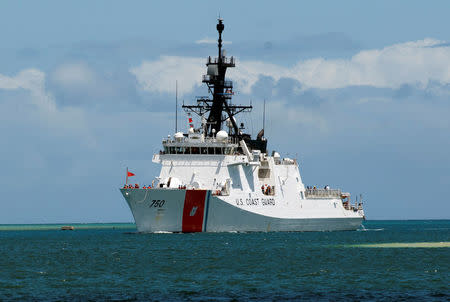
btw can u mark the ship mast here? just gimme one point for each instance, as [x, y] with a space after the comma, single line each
[221, 90]
[219, 107]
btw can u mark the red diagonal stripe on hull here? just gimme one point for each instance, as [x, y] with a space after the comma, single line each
[194, 206]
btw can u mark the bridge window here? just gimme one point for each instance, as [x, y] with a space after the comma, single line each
[179, 150]
[198, 150]
[195, 150]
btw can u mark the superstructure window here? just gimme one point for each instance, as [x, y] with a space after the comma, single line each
[198, 150]
[179, 150]
[263, 173]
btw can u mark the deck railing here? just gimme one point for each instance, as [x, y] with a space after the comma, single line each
[225, 60]
[229, 140]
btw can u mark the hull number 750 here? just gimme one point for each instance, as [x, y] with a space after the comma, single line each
[157, 203]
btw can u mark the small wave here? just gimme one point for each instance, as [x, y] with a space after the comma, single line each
[367, 230]
[162, 232]
[404, 245]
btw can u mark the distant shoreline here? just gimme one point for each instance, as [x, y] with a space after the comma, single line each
[57, 226]
[131, 225]
[131, 222]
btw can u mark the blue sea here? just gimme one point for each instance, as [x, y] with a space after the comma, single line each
[383, 261]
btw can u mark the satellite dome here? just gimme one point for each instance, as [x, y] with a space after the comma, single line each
[221, 136]
[179, 136]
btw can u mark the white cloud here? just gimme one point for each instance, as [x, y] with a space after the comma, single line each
[206, 41]
[32, 80]
[47, 118]
[417, 62]
[160, 76]
[247, 73]
[74, 76]
[404, 63]
[210, 41]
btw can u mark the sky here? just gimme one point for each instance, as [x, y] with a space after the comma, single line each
[357, 91]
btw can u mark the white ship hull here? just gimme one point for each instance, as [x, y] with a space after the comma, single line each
[162, 210]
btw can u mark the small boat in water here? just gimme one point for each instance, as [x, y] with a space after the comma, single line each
[67, 228]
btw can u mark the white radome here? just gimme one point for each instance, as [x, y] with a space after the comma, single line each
[221, 136]
[179, 136]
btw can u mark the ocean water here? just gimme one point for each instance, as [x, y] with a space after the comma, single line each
[384, 261]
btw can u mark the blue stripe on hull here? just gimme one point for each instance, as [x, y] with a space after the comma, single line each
[205, 221]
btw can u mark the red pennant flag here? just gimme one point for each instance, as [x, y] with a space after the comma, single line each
[130, 174]
[190, 120]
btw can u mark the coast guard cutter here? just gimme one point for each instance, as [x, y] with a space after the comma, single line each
[216, 178]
